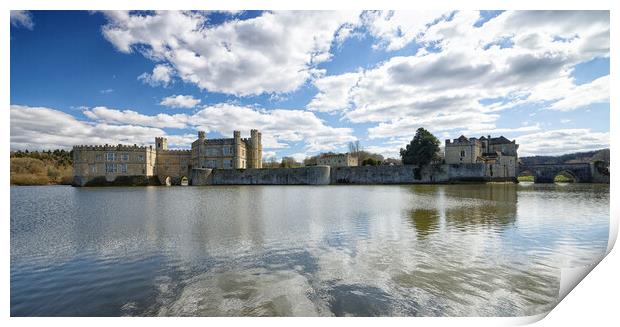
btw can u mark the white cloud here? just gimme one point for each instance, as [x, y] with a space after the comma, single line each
[515, 57]
[161, 75]
[22, 18]
[36, 128]
[275, 52]
[299, 156]
[115, 116]
[180, 101]
[279, 127]
[106, 91]
[333, 92]
[387, 151]
[396, 29]
[561, 141]
[495, 131]
[580, 96]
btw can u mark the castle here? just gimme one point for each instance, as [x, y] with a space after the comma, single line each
[497, 154]
[224, 162]
[110, 162]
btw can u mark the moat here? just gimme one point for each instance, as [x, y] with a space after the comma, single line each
[366, 250]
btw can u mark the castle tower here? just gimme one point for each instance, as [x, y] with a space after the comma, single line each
[201, 135]
[254, 147]
[161, 143]
[237, 149]
[259, 151]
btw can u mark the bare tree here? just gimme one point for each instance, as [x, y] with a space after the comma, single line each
[355, 148]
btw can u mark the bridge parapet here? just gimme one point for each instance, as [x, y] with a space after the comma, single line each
[546, 173]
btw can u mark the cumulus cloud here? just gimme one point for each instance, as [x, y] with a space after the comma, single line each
[523, 57]
[274, 52]
[161, 75]
[280, 127]
[582, 95]
[37, 128]
[562, 141]
[396, 29]
[22, 18]
[180, 101]
[333, 92]
[116, 116]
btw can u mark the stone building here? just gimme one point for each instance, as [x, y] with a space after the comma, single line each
[497, 153]
[112, 161]
[228, 153]
[108, 162]
[337, 160]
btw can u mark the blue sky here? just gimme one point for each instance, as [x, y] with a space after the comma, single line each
[311, 81]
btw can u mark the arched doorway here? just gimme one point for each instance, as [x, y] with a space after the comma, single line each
[184, 181]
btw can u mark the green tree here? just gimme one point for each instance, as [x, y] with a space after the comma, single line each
[422, 150]
[289, 162]
[371, 162]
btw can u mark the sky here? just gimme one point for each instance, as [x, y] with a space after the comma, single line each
[310, 81]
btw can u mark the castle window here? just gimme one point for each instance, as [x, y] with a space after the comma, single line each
[140, 157]
[227, 163]
[123, 168]
[462, 153]
[227, 151]
[93, 168]
[110, 168]
[125, 156]
[110, 156]
[98, 157]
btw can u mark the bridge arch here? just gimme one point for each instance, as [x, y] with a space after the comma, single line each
[184, 181]
[167, 181]
[524, 174]
[546, 173]
[568, 174]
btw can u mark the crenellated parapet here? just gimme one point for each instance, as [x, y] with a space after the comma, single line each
[176, 152]
[108, 147]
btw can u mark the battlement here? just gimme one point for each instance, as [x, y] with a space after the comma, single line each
[109, 147]
[219, 141]
[176, 151]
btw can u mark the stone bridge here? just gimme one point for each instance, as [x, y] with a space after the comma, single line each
[545, 173]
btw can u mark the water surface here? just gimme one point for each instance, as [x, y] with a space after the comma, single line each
[424, 250]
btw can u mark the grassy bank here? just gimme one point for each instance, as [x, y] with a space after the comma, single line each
[41, 168]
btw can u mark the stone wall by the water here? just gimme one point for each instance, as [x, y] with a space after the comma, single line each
[117, 181]
[405, 174]
[201, 176]
[466, 172]
[313, 175]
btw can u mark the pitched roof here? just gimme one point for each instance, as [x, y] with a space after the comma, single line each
[499, 140]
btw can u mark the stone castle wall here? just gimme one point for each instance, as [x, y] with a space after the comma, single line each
[313, 175]
[321, 175]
